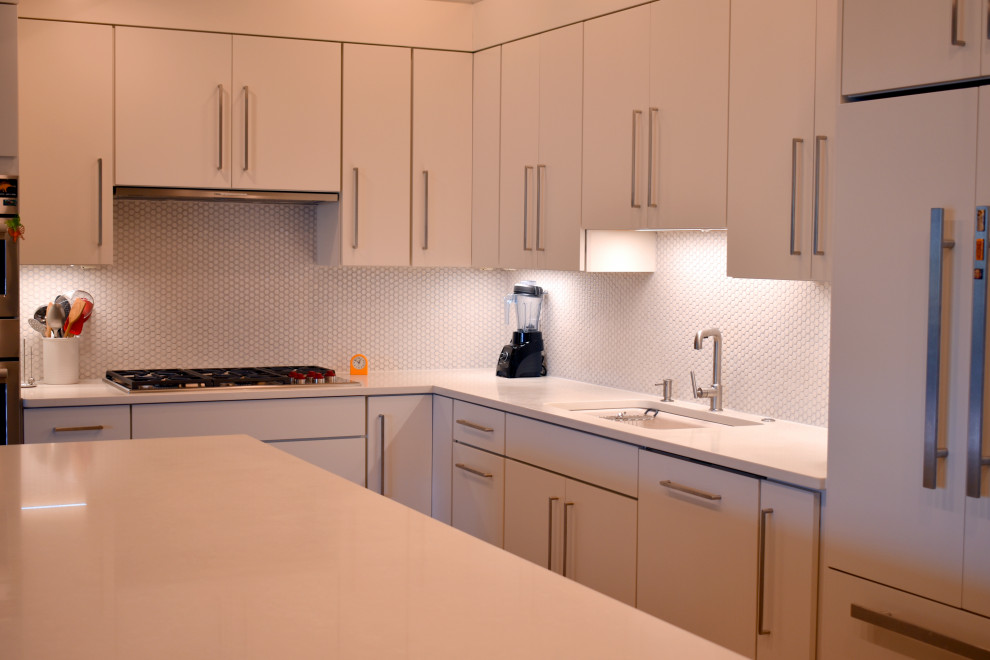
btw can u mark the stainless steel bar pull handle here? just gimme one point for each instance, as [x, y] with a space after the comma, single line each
[74, 429]
[652, 159]
[220, 129]
[426, 209]
[526, 170]
[567, 507]
[247, 123]
[957, 11]
[794, 191]
[541, 176]
[977, 358]
[899, 626]
[354, 240]
[99, 202]
[476, 427]
[934, 350]
[468, 468]
[634, 197]
[673, 485]
[381, 427]
[820, 141]
[761, 578]
[550, 502]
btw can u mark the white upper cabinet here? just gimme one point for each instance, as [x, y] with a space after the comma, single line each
[66, 142]
[441, 167]
[376, 152]
[285, 114]
[540, 162]
[192, 113]
[783, 96]
[172, 102]
[655, 116]
[8, 79]
[486, 127]
[892, 44]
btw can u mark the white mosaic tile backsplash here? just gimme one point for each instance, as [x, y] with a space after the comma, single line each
[228, 284]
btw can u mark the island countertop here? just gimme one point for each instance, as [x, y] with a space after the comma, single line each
[222, 547]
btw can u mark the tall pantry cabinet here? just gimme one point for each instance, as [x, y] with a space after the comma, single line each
[907, 523]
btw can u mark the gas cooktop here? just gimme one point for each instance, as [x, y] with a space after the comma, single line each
[153, 380]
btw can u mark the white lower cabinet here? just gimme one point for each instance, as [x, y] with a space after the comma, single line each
[76, 423]
[400, 449]
[343, 456]
[730, 557]
[581, 531]
[477, 487]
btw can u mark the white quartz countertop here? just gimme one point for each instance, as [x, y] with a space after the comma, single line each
[223, 547]
[784, 451]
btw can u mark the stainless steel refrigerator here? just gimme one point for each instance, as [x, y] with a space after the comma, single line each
[10, 330]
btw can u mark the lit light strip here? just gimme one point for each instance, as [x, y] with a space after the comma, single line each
[52, 506]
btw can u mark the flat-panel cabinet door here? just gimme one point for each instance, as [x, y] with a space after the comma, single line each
[66, 142]
[687, 119]
[377, 132]
[486, 127]
[900, 158]
[889, 44]
[616, 97]
[557, 233]
[343, 456]
[286, 128]
[478, 483]
[534, 506]
[698, 541]
[441, 169]
[520, 109]
[771, 138]
[400, 449]
[75, 423]
[172, 108]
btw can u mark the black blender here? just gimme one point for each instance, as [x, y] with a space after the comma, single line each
[524, 357]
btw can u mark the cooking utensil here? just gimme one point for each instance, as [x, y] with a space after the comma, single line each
[37, 325]
[55, 318]
[64, 303]
[48, 328]
[79, 293]
[87, 310]
[75, 312]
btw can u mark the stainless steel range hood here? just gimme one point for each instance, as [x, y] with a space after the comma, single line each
[204, 194]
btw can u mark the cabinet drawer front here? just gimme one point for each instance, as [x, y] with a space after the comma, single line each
[273, 419]
[77, 423]
[479, 427]
[342, 456]
[477, 502]
[583, 456]
[697, 558]
[894, 618]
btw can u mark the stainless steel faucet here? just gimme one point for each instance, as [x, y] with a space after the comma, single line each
[715, 391]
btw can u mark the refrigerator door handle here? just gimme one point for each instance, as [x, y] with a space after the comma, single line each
[934, 353]
[978, 354]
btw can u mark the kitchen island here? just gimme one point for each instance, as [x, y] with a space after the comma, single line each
[223, 547]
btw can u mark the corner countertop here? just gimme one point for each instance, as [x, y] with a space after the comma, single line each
[783, 451]
[223, 547]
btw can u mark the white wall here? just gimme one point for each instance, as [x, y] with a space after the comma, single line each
[423, 23]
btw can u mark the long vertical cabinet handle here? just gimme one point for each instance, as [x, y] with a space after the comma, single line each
[567, 507]
[977, 358]
[541, 177]
[381, 428]
[247, 123]
[99, 202]
[794, 189]
[761, 568]
[354, 240]
[220, 131]
[652, 158]
[820, 141]
[426, 209]
[526, 170]
[550, 501]
[957, 10]
[634, 198]
[934, 351]
[988, 19]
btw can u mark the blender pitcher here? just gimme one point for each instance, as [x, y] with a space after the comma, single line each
[525, 356]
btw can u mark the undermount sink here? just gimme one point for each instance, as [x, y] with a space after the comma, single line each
[654, 414]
